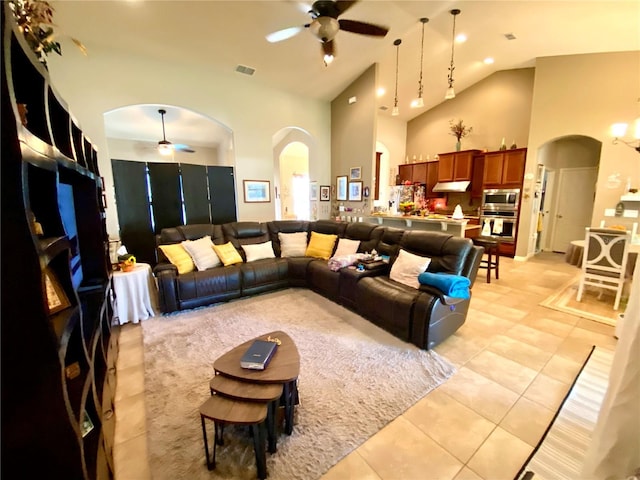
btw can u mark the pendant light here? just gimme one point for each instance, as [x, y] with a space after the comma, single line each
[395, 112]
[419, 102]
[450, 91]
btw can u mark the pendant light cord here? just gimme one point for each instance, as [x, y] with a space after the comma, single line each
[397, 44]
[423, 20]
[453, 43]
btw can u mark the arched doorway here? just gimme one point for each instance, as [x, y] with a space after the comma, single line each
[382, 174]
[294, 182]
[567, 190]
[292, 148]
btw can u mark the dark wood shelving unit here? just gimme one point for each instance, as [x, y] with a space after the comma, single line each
[59, 347]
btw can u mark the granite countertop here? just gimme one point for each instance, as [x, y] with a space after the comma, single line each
[446, 219]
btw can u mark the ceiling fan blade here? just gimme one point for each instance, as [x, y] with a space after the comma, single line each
[180, 147]
[344, 5]
[283, 34]
[362, 28]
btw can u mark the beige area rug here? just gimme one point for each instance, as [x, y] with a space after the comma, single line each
[596, 304]
[354, 379]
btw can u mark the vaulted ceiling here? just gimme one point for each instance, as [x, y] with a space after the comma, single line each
[226, 34]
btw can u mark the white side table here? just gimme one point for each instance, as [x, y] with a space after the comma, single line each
[136, 294]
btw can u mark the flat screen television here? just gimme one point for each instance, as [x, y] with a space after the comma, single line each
[68, 214]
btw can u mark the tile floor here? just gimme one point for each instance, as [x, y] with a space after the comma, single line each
[515, 360]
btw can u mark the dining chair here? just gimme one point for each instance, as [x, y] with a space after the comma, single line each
[604, 262]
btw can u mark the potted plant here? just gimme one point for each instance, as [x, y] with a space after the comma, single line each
[459, 130]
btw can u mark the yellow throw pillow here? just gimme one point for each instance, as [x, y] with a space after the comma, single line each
[179, 257]
[321, 245]
[228, 254]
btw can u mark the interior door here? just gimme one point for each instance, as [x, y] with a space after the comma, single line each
[576, 189]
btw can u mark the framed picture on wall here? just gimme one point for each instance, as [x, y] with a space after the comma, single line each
[313, 191]
[355, 173]
[355, 191]
[257, 191]
[341, 187]
[325, 193]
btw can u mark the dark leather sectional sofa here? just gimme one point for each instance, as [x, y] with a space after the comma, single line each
[424, 317]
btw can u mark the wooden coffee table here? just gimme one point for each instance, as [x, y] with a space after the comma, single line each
[283, 369]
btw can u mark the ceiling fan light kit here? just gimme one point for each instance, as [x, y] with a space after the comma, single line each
[419, 102]
[325, 25]
[165, 147]
[450, 91]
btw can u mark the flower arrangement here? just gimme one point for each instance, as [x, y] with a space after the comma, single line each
[407, 207]
[459, 130]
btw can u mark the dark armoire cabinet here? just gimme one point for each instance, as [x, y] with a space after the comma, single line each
[58, 345]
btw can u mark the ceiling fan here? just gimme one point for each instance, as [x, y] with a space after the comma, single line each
[165, 147]
[325, 25]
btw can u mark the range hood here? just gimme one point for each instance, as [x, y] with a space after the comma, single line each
[451, 186]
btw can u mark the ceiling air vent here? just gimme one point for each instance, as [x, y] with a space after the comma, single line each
[509, 36]
[245, 70]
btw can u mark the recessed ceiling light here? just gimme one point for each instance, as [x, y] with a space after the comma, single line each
[381, 91]
[488, 60]
[461, 38]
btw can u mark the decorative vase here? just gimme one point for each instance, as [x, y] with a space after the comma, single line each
[458, 146]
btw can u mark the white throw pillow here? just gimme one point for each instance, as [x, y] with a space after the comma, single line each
[202, 253]
[346, 247]
[258, 251]
[407, 267]
[293, 244]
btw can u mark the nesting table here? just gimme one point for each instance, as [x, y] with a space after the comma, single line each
[243, 396]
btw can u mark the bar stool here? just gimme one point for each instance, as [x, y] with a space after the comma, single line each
[492, 249]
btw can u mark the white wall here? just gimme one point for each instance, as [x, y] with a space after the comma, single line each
[496, 107]
[392, 133]
[583, 95]
[106, 80]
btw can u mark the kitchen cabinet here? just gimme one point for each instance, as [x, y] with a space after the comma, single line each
[432, 179]
[413, 172]
[504, 169]
[477, 175]
[456, 166]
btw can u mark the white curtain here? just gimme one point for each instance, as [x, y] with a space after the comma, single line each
[614, 452]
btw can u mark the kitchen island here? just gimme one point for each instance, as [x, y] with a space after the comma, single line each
[459, 228]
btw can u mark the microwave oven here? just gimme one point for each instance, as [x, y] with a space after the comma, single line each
[501, 198]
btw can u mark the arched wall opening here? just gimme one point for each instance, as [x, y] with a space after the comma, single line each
[293, 150]
[384, 178]
[564, 192]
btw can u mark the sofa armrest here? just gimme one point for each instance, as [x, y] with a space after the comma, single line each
[167, 287]
[444, 299]
[165, 267]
